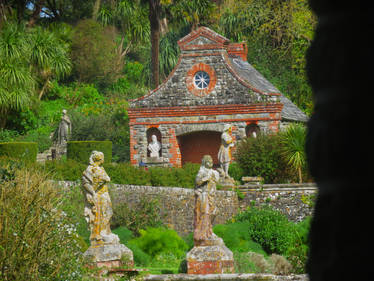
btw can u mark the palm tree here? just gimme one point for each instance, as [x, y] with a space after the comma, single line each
[16, 81]
[48, 57]
[293, 140]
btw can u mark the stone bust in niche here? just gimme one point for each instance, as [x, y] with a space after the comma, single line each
[154, 147]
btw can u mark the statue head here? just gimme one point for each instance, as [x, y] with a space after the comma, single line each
[64, 111]
[227, 128]
[207, 161]
[154, 138]
[97, 158]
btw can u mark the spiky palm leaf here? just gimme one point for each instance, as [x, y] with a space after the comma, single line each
[293, 140]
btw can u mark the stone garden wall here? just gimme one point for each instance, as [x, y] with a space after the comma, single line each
[228, 277]
[176, 203]
[296, 201]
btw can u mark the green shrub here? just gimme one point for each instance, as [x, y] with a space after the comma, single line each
[140, 257]
[124, 234]
[145, 214]
[37, 239]
[68, 170]
[73, 206]
[40, 135]
[235, 171]
[81, 150]
[26, 151]
[298, 254]
[237, 238]
[8, 135]
[155, 241]
[270, 228]
[109, 123]
[125, 173]
[262, 156]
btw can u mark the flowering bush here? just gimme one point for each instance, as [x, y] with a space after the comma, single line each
[37, 239]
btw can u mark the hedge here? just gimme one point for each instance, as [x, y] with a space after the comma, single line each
[81, 150]
[26, 151]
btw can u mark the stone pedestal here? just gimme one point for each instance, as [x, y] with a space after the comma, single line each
[227, 182]
[109, 256]
[210, 257]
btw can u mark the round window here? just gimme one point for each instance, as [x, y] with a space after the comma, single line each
[201, 80]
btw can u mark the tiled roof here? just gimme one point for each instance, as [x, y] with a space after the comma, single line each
[247, 72]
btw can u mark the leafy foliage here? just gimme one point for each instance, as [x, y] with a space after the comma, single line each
[237, 238]
[269, 228]
[147, 213]
[262, 156]
[16, 80]
[93, 52]
[23, 150]
[293, 141]
[155, 241]
[37, 240]
[80, 151]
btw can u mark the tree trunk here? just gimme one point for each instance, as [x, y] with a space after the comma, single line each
[96, 9]
[154, 20]
[3, 117]
[43, 89]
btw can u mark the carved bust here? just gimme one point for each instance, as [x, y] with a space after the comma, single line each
[154, 147]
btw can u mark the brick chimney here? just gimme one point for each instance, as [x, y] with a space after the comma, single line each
[238, 49]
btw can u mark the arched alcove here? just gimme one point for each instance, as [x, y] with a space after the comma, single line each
[150, 132]
[193, 146]
[252, 130]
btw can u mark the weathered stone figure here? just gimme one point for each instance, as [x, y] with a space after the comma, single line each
[98, 208]
[224, 153]
[105, 249]
[205, 188]
[154, 147]
[209, 254]
[64, 129]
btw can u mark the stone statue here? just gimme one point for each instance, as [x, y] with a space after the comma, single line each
[209, 254]
[205, 189]
[224, 153]
[98, 208]
[105, 248]
[154, 147]
[64, 128]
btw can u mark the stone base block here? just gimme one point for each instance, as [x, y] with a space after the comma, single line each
[110, 256]
[210, 267]
[210, 260]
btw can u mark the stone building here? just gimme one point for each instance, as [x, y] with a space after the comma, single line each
[211, 85]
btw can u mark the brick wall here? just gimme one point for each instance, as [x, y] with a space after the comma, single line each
[178, 103]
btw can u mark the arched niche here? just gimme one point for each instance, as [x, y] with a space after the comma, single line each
[150, 132]
[252, 130]
[193, 146]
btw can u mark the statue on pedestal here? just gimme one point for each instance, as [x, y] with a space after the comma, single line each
[105, 248]
[209, 254]
[64, 129]
[205, 188]
[224, 154]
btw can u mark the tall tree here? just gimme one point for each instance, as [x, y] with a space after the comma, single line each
[154, 20]
[94, 53]
[48, 57]
[16, 80]
[130, 19]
